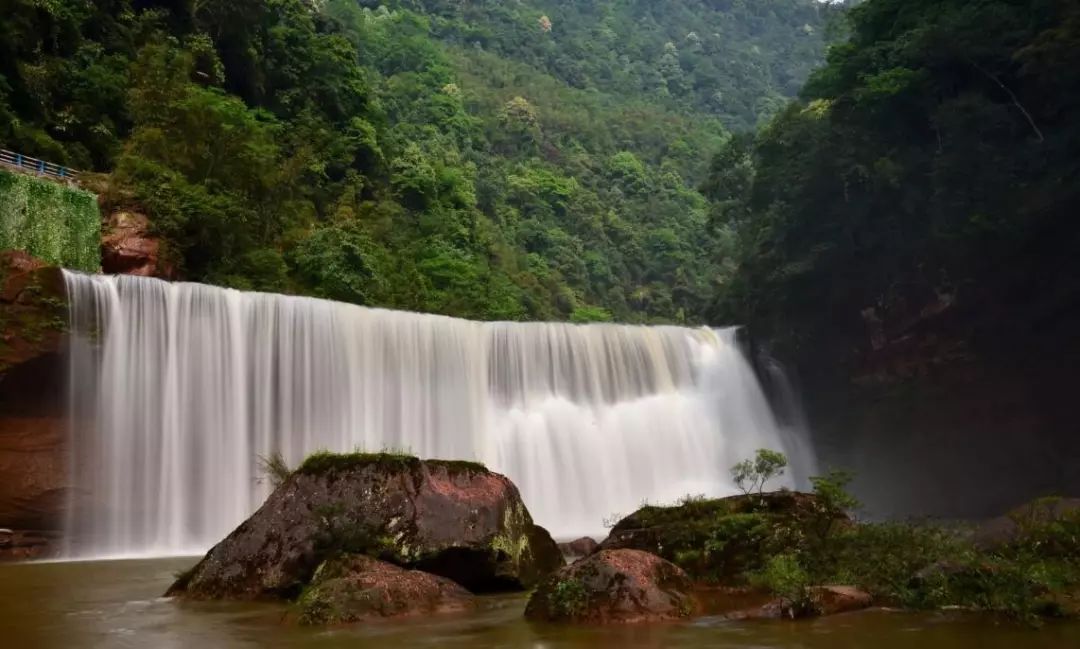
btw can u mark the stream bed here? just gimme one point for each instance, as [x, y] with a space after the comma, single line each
[117, 604]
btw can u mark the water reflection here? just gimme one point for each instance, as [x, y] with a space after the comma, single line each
[116, 605]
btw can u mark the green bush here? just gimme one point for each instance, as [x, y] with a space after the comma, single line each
[784, 577]
[568, 598]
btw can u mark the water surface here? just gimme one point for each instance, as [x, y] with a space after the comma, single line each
[117, 604]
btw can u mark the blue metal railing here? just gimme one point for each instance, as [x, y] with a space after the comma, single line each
[35, 166]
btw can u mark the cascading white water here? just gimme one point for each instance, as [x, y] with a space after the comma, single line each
[179, 389]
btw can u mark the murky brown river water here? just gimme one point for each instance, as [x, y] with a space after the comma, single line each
[116, 604]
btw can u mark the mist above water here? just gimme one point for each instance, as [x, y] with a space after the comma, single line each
[179, 389]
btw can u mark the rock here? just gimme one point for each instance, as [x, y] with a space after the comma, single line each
[771, 609]
[20, 545]
[751, 604]
[831, 600]
[582, 547]
[743, 530]
[357, 587]
[128, 247]
[737, 602]
[453, 519]
[33, 429]
[614, 586]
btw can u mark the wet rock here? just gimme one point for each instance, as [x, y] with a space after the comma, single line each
[21, 545]
[582, 547]
[357, 587]
[129, 247]
[33, 455]
[831, 600]
[751, 604]
[614, 586]
[453, 519]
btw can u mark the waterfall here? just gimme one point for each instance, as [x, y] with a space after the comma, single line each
[178, 389]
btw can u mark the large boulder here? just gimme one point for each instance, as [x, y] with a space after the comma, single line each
[832, 600]
[721, 540]
[582, 547]
[33, 453]
[454, 519]
[352, 588]
[614, 586]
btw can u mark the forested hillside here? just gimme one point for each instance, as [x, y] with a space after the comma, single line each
[738, 59]
[907, 234]
[495, 160]
[931, 164]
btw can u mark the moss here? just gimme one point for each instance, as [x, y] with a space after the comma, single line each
[460, 466]
[316, 608]
[323, 462]
[514, 541]
[40, 312]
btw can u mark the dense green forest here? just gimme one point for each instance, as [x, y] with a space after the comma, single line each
[495, 160]
[930, 166]
[505, 160]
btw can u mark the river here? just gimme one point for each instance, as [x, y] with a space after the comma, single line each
[117, 604]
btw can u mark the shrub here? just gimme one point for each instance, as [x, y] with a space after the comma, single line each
[786, 578]
[751, 475]
[568, 598]
[274, 468]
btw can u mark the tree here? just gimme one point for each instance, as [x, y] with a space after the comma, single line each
[751, 475]
[833, 502]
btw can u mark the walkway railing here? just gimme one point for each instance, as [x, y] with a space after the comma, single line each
[35, 166]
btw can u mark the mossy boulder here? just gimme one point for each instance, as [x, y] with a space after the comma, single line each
[453, 519]
[353, 588]
[614, 586]
[722, 540]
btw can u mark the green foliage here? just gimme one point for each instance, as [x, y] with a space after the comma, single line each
[926, 566]
[57, 224]
[784, 577]
[733, 59]
[833, 501]
[275, 468]
[725, 540]
[751, 475]
[927, 165]
[776, 541]
[433, 156]
[569, 598]
[325, 462]
[584, 314]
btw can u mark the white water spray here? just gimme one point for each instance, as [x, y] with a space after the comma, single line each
[179, 389]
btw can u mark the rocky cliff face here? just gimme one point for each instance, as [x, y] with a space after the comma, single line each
[952, 406]
[129, 247]
[33, 459]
